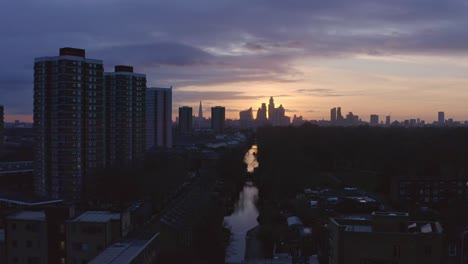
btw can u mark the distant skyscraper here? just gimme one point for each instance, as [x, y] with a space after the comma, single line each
[158, 117]
[387, 120]
[297, 120]
[276, 116]
[262, 115]
[351, 118]
[333, 114]
[271, 109]
[218, 119]
[339, 116]
[185, 119]
[246, 118]
[68, 123]
[374, 120]
[2, 126]
[441, 118]
[200, 111]
[281, 119]
[125, 116]
[199, 121]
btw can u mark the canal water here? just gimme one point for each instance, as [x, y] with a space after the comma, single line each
[245, 212]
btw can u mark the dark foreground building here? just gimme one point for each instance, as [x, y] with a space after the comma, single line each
[389, 237]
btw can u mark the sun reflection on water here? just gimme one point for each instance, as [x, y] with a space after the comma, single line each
[250, 159]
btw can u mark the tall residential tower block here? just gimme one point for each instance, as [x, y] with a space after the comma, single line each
[218, 119]
[185, 119]
[69, 122]
[158, 117]
[125, 116]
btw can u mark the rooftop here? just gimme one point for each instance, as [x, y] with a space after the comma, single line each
[96, 217]
[9, 167]
[390, 214]
[27, 200]
[358, 228]
[123, 68]
[307, 231]
[294, 220]
[362, 199]
[28, 215]
[367, 225]
[72, 52]
[123, 252]
[158, 89]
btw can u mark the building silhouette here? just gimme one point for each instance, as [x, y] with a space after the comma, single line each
[246, 119]
[441, 118]
[218, 119]
[339, 116]
[297, 120]
[185, 119]
[200, 111]
[333, 114]
[158, 117]
[69, 122]
[351, 118]
[271, 110]
[276, 116]
[387, 120]
[374, 120]
[262, 115]
[125, 116]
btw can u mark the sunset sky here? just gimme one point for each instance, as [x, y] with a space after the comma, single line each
[406, 58]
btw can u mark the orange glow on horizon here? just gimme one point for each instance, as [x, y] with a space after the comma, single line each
[21, 118]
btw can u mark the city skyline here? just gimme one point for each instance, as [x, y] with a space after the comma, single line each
[234, 115]
[402, 58]
[130, 131]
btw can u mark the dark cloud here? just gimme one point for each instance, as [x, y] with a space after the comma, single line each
[155, 54]
[213, 42]
[255, 46]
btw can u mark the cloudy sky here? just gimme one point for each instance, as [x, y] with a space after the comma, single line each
[407, 58]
